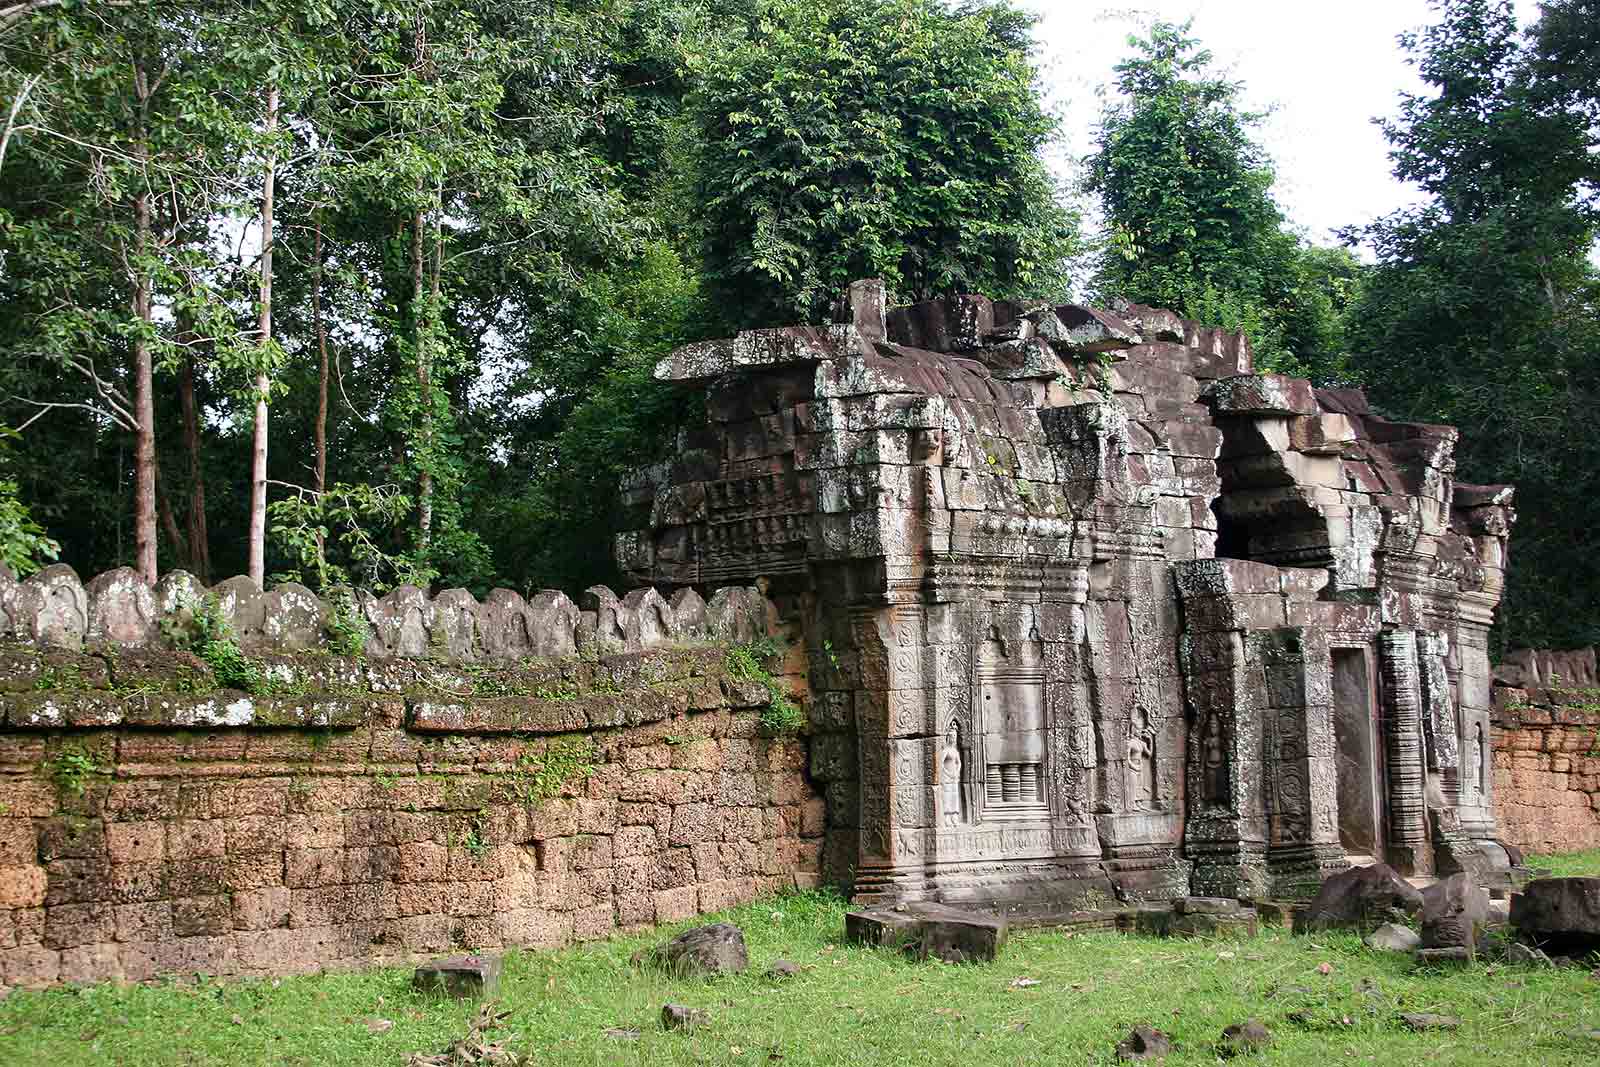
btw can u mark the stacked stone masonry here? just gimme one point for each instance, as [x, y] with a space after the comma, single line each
[1547, 750]
[462, 785]
[1089, 607]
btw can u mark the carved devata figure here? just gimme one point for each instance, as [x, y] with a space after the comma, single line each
[1479, 767]
[950, 777]
[1141, 769]
[1214, 763]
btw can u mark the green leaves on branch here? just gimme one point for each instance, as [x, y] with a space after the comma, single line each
[1190, 218]
[23, 542]
[1483, 309]
[336, 537]
[842, 139]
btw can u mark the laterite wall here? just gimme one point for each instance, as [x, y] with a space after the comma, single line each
[375, 809]
[1547, 767]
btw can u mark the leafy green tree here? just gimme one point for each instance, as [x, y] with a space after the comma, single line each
[23, 542]
[841, 139]
[1190, 219]
[119, 148]
[1484, 310]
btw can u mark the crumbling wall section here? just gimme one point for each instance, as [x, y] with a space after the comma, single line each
[1547, 750]
[351, 810]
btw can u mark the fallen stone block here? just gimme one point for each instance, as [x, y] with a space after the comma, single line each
[1243, 1038]
[1454, 912]
[939, 931]
[1516, 952]
[1392, 937]
[1158, 922]
[1144, 1043]
[1441, 956]
[704, 952]
[1427, 1020]
[1278, 912]
[679, 1017]
[1360, 897]
[473, 976]
[1206, 906]
[1559, 915]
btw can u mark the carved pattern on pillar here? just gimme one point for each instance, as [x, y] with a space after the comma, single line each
[1439, 724]
[1408, 828]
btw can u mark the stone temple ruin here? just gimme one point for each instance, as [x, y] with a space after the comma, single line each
[1077, 609]
[1089, 608]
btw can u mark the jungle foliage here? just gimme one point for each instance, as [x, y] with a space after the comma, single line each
[373, 291]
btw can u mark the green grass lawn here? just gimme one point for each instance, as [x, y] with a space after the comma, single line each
[852, 1006]
[1567, 863]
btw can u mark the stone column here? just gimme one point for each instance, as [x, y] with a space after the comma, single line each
[1408, 850]
[1300, 767]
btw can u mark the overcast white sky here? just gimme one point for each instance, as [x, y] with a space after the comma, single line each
[1324, 70]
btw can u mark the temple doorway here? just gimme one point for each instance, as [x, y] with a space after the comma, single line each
[1359, 755]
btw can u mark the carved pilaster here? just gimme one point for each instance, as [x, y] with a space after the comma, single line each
[1402, 700]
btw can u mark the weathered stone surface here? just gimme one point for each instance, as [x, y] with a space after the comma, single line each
[1518, 953]
[52, 609]
[1206, 905]
[176, 591]
[1425, 1020]
[242, 604]
[1358, 897]
[681, 1017]
[8, 602]
[1560, 915]
[403, 623]
[292, 618]
[553, 624]
[1160, 922]
[737, 614]
[1090, 330]
[1454, 913]
[1447, 956]
[951, 934]
[455, 626]
[611, 620]
[504, 625]
[649, 621]
[1244, 1038]
[1144, 1043]
[122, 610]
[475, 976]
[1392, 937]
[704, 952]
[689, 608]
[1263, 394]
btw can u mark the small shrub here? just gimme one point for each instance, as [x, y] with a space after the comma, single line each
[201, 628]
[747, 663]
[782, 716]
[348, 631]
[71, 770]
[537, 778]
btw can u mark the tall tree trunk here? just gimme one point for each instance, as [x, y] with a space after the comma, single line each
[180, 547]
[263, 383]
[322, 355]
[199, 537]
[420, 316]
[144, 409]
[322, 380]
